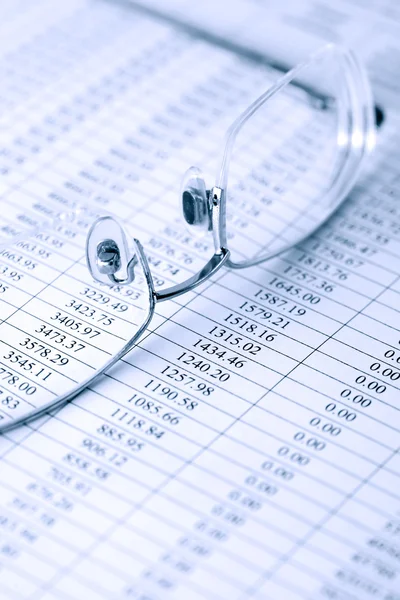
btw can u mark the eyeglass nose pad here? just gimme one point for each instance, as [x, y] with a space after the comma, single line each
[195, 205]
[109, 256]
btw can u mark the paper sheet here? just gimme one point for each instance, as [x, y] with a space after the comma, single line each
[180, 475]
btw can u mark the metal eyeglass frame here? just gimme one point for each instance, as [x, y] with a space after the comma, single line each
[112, 259]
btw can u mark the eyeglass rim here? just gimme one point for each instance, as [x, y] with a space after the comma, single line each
[63, 399]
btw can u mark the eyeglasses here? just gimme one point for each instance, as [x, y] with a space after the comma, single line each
[288, 162]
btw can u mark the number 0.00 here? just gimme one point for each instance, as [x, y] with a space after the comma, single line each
[311, 442]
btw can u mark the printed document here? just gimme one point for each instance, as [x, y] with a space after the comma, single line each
[248, 447]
